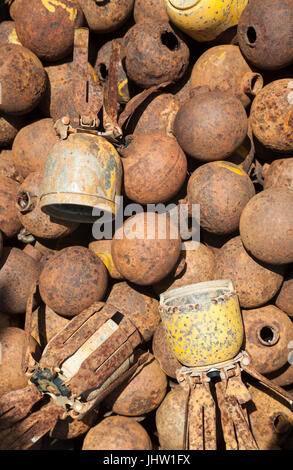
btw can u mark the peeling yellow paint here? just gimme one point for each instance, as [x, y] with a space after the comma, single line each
[51, 4]
[238, 171]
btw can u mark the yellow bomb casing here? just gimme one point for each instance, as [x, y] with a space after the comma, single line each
[203, 322]
[205, 20]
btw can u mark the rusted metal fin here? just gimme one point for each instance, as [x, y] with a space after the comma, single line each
[202, 419]
[72, 336]
[110, 94]
[136, 101]
[16, 405]
[103, 362]
[93, 403]
[28, 361]
[27, 432]
[87, 92]
[268, 383]
[246, 165]
[226, 420]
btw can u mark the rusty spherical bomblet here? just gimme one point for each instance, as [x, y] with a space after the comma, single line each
[101, 69]
[223, 68]
[32, 145]
[47, 28]
[8, 167]
[271, 116]
[254, 282]
[32, 218]
[211, 125]
[9, 221]
[82, 175]
[154, 167]
[146, 248]
[142, 392]
[8, 33]
[117, 433]
[18, 273]
[278, 173]
[23, 79]
[72, 280]
[266, 226]
[170, 420]
[154, 54]
[138, 304]
[150, 10]
[196, 264]
[9, 127]
[11, 375]
[163, 353]
[285, 296]
[105, 17]
[158, 116]
[268, 332]
[202, 331]
[222, 189]
[271, 420]
[265, 33]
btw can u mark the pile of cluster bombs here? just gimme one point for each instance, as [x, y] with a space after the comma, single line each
[131, 342]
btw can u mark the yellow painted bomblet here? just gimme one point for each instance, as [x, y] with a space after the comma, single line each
[205, 20]
[203, 322]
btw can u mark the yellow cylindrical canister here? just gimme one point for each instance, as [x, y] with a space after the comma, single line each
[203, 322]
[205, 20]
[102, 248]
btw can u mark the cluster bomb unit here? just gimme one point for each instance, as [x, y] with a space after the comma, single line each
[123, 327]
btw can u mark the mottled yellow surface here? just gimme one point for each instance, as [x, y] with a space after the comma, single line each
[209, 335]
[204, 20]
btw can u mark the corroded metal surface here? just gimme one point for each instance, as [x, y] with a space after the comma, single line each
[117, 433]
[163, 353]
[138, 304]
[32, 218]
[17, 274]
[102, 66]
[269, 242]
[171, 419]
[285, 296]
[150, 10]
[11, 376]
[8, 167]
[82, 172]
[136, 257]
[271, 420]
[154, 53]
[222, 189]
[104, 17]
[32, 145]
[223, 68]
[102, 248]
[271, 116]
[9, 127]
[154, 167]
[70, 428]
[268, 332]
[211, 125]
[142, 392]
[8, 33]
[199, 266]
[46, 27]
[72, 280]
[16, 405]
[279, 173]
[255, 283]
[158, 115]
[23, 79]
[265, 33]
[46, 324]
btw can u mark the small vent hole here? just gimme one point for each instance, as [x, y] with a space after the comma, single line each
[169, 40]
[251, 35]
